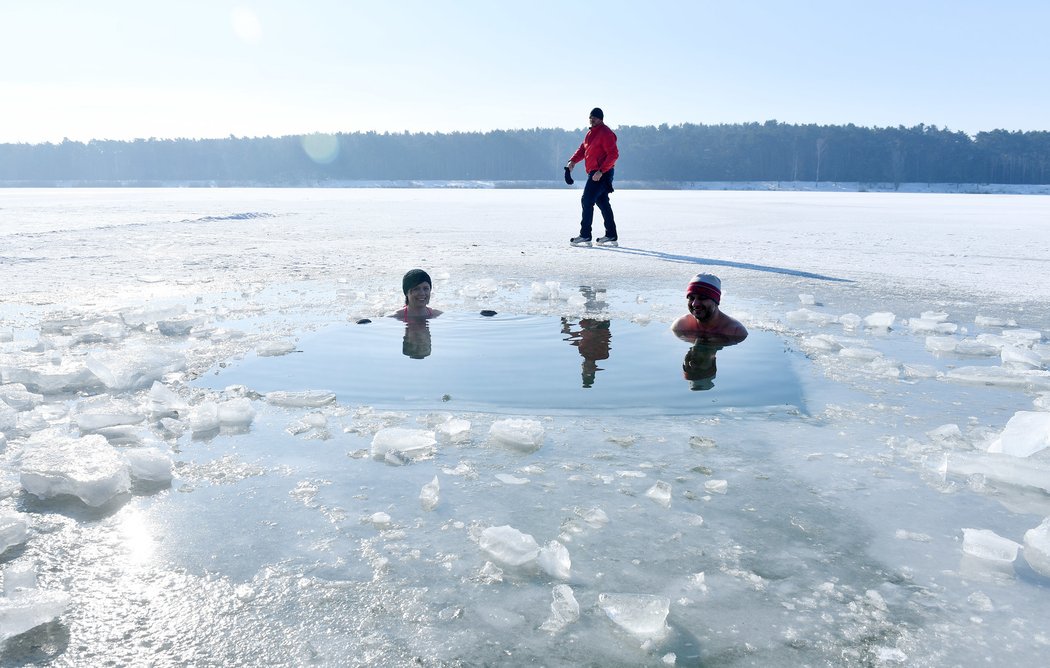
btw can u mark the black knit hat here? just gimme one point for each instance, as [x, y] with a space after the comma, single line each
[597, 113]
[413, 278]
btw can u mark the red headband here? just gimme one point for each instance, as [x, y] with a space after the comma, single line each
[704, 290]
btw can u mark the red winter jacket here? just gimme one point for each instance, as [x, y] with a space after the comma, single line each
[598, 150]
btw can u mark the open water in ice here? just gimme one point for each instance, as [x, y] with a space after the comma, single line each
[256, 472]
[510, 364]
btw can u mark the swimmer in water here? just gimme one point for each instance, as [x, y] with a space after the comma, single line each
[417, 287]
[705, 322]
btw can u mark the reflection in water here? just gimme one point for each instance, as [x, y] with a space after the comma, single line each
[593, 335]
[700, 365]
[417, 338]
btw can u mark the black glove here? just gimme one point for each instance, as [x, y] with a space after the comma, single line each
[568, 176]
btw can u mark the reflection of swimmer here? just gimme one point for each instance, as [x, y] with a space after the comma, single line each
[705, 321]
[700, 366]
[592, 339]
[417, 287]
[417, 339]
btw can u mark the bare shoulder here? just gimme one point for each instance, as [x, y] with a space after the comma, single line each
[685, 328]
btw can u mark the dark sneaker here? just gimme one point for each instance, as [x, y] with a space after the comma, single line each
[607, 241]
[580, 241]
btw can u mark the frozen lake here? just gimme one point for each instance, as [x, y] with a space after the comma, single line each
[200, 464]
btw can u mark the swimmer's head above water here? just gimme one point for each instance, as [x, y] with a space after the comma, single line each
[705, 320]
[417, 286]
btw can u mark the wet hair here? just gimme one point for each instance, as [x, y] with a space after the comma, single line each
[413, 278]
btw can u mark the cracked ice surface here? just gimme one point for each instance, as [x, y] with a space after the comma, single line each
[898, 517]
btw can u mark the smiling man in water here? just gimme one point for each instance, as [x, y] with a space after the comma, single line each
[705, 322]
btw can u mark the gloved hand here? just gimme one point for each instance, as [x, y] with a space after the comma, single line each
[568, 176]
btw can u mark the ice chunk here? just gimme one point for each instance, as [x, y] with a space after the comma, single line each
[87, 467]
[548, 290]
[716, 486]
[1037, 547]
[804, 315]
[274, 348]
[594, 517]
[455, 430]
[13, 529]
[508, 479]
[490, 573]
[25, 607]
[1004, 468]
[94, 415]
[880, 320]
[517, 433]
[204, 418]
[821, 343]
[149, 464]
[976, 348]
[859, 353]
[162, 401]
[481, 287]
[921, 325]
[413, 443]
[19, 577]
[48, 376]
[850, 321]
[807, 300]
[564, 609]
[139, 318]
[1042, 402]
[304, 399]
[988, 321]
[134, 367]
[180, 326]
[941, 344]
[995, 375]
[236, 412]
[661, 493]
[379, 520]
[1025, 434]
[554, 559]
[946, 433]
[1020, 358]
[430, 494]
[988, 545]
[508, 545]
[19, 398]
[919, 371]
[1025, 337]
[643, 616]
[935, 316]
[8, 417]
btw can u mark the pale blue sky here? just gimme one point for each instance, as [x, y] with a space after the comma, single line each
[122, 69]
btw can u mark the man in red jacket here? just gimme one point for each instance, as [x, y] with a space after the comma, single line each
[598, 153]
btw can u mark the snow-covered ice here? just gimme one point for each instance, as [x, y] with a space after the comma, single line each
[896, 516]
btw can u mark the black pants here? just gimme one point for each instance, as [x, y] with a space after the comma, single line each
[597, 193]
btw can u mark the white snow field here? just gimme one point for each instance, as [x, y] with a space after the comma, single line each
[897, 517]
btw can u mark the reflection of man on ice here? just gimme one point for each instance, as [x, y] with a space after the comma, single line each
[598, 153]
[592, 340]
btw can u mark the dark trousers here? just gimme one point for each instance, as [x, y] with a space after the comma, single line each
[597, 193]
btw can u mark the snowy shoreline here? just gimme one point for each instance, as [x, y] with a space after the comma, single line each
[623, 184]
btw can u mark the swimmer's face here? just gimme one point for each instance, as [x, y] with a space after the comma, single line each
[419, 296]
[703, 308]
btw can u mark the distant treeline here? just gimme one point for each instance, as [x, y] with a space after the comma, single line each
[769, 151]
